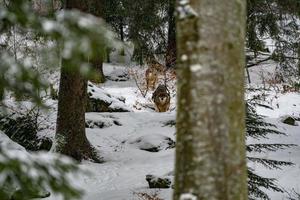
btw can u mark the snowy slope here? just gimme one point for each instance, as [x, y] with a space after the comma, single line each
[123, 136]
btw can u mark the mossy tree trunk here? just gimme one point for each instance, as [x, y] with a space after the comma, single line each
[98, 76]
[210, 148]
[71, 139]
[95, 7]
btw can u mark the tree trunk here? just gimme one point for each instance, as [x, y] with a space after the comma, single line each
[210, 148]
[298, 59]
[121, 25]
[70, 136]
[98, 76]
[108, 50]
[171, 48]
[95, 7]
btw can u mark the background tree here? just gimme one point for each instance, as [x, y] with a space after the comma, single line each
[23, 79]
[276, 21]
[115, 15]
[210, 149]
[144, 23]
[257, 128]
[95, 7]
[171, 44]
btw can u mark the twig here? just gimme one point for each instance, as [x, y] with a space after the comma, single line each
[138, 86]
[258, 62]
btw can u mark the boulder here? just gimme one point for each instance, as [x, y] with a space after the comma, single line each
[118, 76]
[289, 120]
[24, 131]
[152, 143]
[158, 182]
[100, 120]
[100, 101]
[170, 123]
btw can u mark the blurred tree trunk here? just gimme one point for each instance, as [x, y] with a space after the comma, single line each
[298, 59]
[210, 148]
[71, 139]
[171, 48]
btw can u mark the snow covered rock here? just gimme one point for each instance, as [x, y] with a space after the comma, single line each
[101, 101]
[96, 124]
[289, 120]
[158, 182]
[118, 75]
[24, 131]
[152, 143]
[170, 123]
[97, 120]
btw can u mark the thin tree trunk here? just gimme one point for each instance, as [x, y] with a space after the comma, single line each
[210, 148]
[107, 57]
[121, 29]
[98, 76]
[15, 43]
[171, 48]
[299, 60]
[95, 7]
[121, 25]
[70, 136]
[248, 75]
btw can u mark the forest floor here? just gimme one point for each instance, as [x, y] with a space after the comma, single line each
[124, 137]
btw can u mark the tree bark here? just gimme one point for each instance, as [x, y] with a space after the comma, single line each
[210, 148]
[70, 136]
[171, 48]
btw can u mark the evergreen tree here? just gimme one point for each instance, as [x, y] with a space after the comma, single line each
[257, 128]
[275, 20]
[171, 45]
[116, 15]
[95, 7]
[24, 175]
[141, 22]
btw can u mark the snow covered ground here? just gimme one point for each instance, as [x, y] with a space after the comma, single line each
[125, 136]
[282, 105]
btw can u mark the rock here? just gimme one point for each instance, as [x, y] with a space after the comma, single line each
[152, 143]
[123, 99]
[101, 101]
[118, 76]
[100, 120]
[100, 124]
[96, 124]
[289, 120]
[45, 143]
[23, 130]
[98, 105]
[170, 123]
[158, 182]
